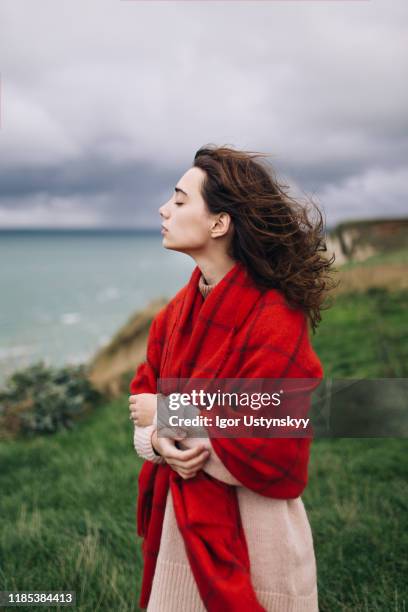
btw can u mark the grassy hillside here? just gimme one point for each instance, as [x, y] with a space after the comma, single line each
[68, 501]
[365, 335]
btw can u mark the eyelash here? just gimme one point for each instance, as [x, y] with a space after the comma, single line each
[179, 203]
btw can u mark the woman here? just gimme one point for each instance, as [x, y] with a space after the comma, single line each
[222, 519]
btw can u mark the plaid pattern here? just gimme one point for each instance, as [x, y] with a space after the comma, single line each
[238, 331]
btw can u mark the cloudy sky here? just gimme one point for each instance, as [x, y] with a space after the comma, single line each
[104, 103]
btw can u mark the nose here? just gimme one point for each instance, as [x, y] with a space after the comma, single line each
[163, 211]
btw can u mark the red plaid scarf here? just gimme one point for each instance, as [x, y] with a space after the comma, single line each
[238, 331]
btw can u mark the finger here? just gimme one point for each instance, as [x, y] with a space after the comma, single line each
[198, 462]
[186, 473]
[186, 462]
[172, 453]
[194, 463]
[187, 476]
[184, 455]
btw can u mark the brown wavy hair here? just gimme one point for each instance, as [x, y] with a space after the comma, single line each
[272, 235]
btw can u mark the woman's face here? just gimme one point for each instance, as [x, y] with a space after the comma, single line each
[185, 216]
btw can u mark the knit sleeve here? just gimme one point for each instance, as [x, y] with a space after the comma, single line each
[142, 440]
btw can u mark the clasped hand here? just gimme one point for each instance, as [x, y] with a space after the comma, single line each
[186, 463]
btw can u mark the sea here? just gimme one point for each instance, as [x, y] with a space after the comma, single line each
[65, 293]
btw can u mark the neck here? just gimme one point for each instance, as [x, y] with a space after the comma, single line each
[214, 269]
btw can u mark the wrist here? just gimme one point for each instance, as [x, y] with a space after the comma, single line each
[154, 441]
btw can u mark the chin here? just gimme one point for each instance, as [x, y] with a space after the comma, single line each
[173, 246]
[167, 243]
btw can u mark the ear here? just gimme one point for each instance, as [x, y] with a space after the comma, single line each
[221, 225]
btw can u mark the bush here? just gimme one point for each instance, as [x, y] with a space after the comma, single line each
[42, 399]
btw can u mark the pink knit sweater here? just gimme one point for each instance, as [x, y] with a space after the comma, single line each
[278, 534]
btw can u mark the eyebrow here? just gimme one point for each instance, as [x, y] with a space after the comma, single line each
[177, 190]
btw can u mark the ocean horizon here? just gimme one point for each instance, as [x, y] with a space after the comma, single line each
[66, 292]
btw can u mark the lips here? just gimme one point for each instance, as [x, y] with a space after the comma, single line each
[164, 228]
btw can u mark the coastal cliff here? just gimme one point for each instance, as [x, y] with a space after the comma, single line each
[113, 364]
[356, 241]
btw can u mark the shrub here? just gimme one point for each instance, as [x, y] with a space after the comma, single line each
[43, 399]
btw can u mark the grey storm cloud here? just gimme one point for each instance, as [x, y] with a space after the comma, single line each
[104, 103]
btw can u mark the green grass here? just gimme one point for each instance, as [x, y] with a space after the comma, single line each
[68, 501]
[357, 503]
[365, 335]
[68, 512]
